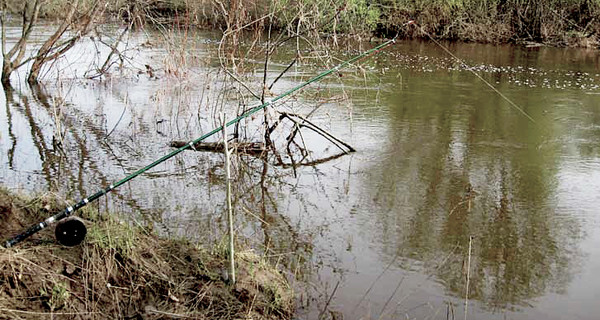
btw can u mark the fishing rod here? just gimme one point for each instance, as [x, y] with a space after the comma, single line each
[78, 226]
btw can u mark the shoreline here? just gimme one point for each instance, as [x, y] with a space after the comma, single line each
[551, 23]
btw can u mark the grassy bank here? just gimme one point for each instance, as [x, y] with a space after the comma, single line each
[121, 271]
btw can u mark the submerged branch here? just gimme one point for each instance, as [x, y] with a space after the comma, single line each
[307, 124]
[251, 148]
[311, 163]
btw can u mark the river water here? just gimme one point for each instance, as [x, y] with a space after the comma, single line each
[455, 201]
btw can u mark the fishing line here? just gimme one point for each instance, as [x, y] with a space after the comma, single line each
[513, 104]
[190, 145]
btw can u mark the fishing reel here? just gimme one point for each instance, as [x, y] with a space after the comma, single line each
[70, 231]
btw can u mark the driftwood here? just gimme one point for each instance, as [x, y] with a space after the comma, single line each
[251, 148]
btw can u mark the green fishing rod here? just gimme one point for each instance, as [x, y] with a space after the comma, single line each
[68, 211]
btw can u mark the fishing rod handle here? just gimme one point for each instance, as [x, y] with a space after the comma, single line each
[57, 217]
[26, 234]
[36, 228]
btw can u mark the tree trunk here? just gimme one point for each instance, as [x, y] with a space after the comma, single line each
[29, 20]
[48, 45]
[51, 49]
[6, 71]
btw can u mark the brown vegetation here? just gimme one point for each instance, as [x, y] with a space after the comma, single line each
[558, 23]
[125, 272]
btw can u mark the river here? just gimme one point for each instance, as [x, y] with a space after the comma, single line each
[452, 183]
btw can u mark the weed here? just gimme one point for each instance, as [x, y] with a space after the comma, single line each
[111, 234]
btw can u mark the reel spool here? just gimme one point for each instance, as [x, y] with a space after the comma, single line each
[70, 232]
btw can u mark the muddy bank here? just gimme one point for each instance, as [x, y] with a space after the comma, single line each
[125, 272]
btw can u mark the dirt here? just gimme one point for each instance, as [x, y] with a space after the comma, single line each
[126, 272]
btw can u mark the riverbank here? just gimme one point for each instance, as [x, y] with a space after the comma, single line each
[123, 271]
[555, 23]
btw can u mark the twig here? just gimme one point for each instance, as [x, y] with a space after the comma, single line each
[390, 298]
[46, 313]
[318, 27]
[113, 50]
[169, 314]
[310, 163]
[439, 266]
[242, 83]
[329, 300]
[118, 121]
[229, 210]
[252, 214]
[321, 131]
[374, 282]
[449, 311]
[283, 72]
[228, 32]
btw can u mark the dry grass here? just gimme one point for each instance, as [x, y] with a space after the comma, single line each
[124, 272]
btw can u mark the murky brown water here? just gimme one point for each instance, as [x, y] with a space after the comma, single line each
[442, 162]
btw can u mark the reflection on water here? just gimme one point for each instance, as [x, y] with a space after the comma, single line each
[441, 161]
[487, 173]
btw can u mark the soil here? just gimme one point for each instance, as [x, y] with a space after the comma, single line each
[125, 272]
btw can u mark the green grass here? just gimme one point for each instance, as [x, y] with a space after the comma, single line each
[111, 234]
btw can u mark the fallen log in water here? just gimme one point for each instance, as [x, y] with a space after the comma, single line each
[251, 148]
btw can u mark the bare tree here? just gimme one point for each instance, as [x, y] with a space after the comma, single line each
[12, 59]
[51, 49]
[76, 23]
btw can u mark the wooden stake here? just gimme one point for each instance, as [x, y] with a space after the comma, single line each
[229, 209]
[468, 277]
